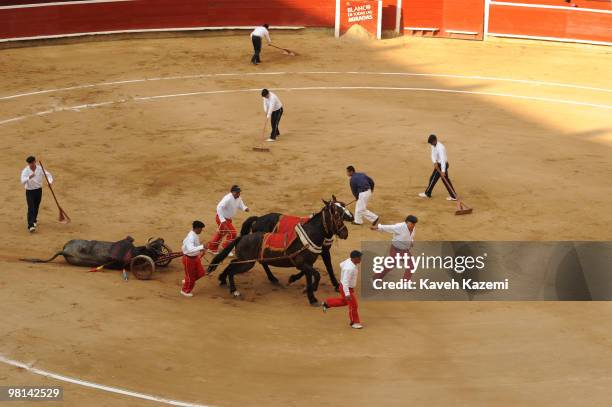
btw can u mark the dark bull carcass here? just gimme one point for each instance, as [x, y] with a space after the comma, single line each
[141, 260]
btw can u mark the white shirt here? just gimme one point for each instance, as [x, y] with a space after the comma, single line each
[192, 245]
[261, 32]
[348, 278]
[271, 104]
[438, 155]
[36, 181]
[227, 207]
[402, 237]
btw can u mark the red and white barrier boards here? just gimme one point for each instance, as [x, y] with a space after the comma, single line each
[365, 13]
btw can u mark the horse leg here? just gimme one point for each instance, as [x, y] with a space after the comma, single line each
[317, 278]
[329, 267]
[295, 277]
[223, 276]
[271, 277]
[237, 269]
[309, 271]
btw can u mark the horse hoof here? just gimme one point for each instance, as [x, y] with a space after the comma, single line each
[315, 304]
[236, 294]
[275, 282]
[222, 282]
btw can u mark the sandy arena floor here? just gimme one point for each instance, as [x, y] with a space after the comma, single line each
[532, 156]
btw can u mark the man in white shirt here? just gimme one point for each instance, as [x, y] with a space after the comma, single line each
[32, 178]
[401, 242]
[348, 282]
[256, 36]
[192, 250]
[226, 209]
[274, 110]
[440, 161]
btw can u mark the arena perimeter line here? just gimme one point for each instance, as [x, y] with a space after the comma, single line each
[84, 383]
[212, 92]
[168, 78]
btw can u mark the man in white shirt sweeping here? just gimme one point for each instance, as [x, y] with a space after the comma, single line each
[348, 282]
[192, 250]
[273, 108]
[32, 178]
[226, 209]
[440, 161]
[256, 37]
[401, 242]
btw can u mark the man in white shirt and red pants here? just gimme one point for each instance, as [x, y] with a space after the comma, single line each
[256, 36]
[226, 209]
[274, 111]
[192, 250]
[440, 161]
[403, 238]
[32, 179]
[348, 282]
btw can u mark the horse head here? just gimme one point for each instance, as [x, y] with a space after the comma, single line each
[334, 215]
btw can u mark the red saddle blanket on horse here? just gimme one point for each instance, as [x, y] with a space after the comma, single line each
[284, 233]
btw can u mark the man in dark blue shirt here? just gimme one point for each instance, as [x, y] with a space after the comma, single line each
[362, 187]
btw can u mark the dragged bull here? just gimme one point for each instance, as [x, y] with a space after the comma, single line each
[113, 255]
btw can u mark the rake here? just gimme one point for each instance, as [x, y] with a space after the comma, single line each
[261, 147]
[285, 50]
[462, 209]
[63, 216]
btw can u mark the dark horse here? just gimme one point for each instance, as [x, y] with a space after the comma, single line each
[301, 253]
[267, 223]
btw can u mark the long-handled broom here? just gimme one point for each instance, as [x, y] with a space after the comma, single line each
[285, 50]
[462, 209]
[261, 147]
[63, 216]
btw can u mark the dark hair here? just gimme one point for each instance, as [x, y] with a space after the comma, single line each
[266, 25]
[412, 219]
[30, 159]
[235, 188]
[197, 224]
[432, 138]
[350, 168]
[355, 254]
[264, 92]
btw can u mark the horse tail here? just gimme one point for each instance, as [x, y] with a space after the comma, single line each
[246, 226]
[222, 255]
[60, 253]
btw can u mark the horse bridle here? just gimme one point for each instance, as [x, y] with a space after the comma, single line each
[336, 221]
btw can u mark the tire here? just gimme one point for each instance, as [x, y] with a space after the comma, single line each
[142, 267]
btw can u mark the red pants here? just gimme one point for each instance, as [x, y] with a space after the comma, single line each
[341, 302]
[193, 272]
[392, 252]
[224, 229]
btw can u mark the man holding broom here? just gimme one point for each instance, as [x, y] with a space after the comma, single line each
[32, 179]
[440, 161]
[256, 36]
[273, 108]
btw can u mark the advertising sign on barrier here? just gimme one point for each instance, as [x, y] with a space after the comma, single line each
[366, 13]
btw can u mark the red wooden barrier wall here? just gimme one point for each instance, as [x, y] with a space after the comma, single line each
[570, 24]
[157, 14]
[454, 15]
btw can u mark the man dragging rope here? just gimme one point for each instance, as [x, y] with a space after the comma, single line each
[362, 188]
[402, 241]
[348, 282]
[192, 251]
[226, 209]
